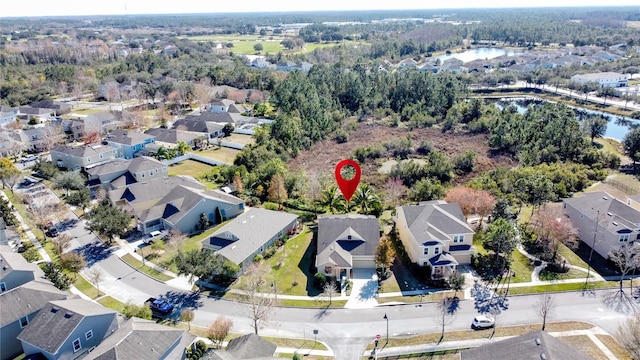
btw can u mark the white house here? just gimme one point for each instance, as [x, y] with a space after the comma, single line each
[603, 79]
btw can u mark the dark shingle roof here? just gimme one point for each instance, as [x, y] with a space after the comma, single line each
[530, 346]
[128, 137]
[84, 151]
[173, 135]
[142, 340]
[443, 259]
[356, 234]
[152, 189]
[144, 163]
[55, 322]
[27, 299]
[10, 261]
[251, 346]
[435, 220]
[617, 212]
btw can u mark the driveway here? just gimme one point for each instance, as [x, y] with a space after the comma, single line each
[364, 289]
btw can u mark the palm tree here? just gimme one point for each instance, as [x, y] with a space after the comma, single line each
[182, 147]
[332, 199]
[366, 198]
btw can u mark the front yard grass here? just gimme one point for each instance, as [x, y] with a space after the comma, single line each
[85, 287]
[413, 299]
[611, 344]
[568, 287]
[571, 256]
[546, 275]
[138, 265]
[521, 267]
[584, 343]
[111, 303]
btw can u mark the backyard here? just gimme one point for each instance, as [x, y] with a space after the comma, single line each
[223, 154]
[191, 168]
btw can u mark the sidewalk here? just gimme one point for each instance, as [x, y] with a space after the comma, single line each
[465, 344]
[31, 237]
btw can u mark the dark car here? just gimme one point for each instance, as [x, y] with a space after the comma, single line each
[52, 231]
[160, 306]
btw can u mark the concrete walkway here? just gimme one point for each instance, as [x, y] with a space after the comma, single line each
[30, 236]
[471, 343]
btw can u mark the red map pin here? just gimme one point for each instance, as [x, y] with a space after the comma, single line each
[348, 187]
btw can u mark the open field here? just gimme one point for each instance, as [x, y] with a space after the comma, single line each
[240, 139]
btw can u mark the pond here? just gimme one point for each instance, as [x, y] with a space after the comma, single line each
[617, 128]
[479, 53]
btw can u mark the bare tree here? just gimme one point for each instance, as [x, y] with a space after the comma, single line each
[258, 296]
[330, 290]
[544, 308]
[175, 238]
[95, 276]
[445, 312]
[626, 258]
[187, 316]
[629, 336]
[219, 330]
[60, 243]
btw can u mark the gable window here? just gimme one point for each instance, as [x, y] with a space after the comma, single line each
[142, 174]
[624, 237]
[24, 321]
[89, 159]
[3, 287]
[88, 335]
[436, 251]
[426, 251]
[458, 238]
[76, 345]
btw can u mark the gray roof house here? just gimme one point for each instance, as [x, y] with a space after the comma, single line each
[67, 329]
[101, 122]
[195, 124]
[54, 107]
[170, 137]
[81, 157]
[182, 207]
[250, 234]
[139, 196]
[220, 105]
[143, 340]
[19, 307]
[603, 222]
[128, 143]
[251, 346]
[346, 242]
[119, 173]
[435, 234]
[7, 114]
[535, 345]
[16, 271]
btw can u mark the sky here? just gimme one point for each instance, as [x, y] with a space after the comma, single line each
[13, 8]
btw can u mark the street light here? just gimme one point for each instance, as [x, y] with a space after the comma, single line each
[386, 318]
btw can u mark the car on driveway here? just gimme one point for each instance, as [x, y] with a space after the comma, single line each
[483, 322]
[153, 236]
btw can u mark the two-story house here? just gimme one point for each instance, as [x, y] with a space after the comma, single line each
[250, 234]
[81, 157]
[346, 242]
[169, 138]
[128, 143]
[209, 129]
[67, 329]
[119, 172]
[435, 235]
[220, 105]
[18, 308]
[604, 223]
[8, 114]
[16, 271]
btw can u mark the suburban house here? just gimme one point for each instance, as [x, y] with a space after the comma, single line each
[8, 114]
[533, 345]
[19, 306]
[16, 271]
[346, 242]
[169, 138]
[26, 113]
[435, 234]
[128, 143]
[183, 207]
[40, 138]
[100, 122]
[250, 346]
[67, 329]
[143, 339]
[119, 172]
[604, 223]
[209, 129]
[81, 157]
[220, 105]
[251, 234]
[54, 108]
[140, 196]
[603, 79]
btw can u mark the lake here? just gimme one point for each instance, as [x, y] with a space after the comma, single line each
[617, 128]
[479, 53]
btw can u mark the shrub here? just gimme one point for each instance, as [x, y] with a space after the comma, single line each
[31, 254]
[341, 136]
[258, 258]
[271, 206]
[319, 280]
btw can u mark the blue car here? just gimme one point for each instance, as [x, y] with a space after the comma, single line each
[161, 306]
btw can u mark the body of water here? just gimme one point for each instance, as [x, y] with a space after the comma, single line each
[617, 128]
[479, 53]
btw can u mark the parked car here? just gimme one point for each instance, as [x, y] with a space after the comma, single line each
[29, 158]
[153, 236]
[161, 307]
[483, 322]
[52, 230]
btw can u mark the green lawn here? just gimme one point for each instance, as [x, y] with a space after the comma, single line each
[192, 168]
[290, 265]
[111, 303]
[567, 287]
[224, 154]
[137, 264]
[571, 274]
[85, 287]
[522, 268]
[571, 256]
[240, 139]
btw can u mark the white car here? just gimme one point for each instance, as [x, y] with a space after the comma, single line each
[152, 236]
[483, 322]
